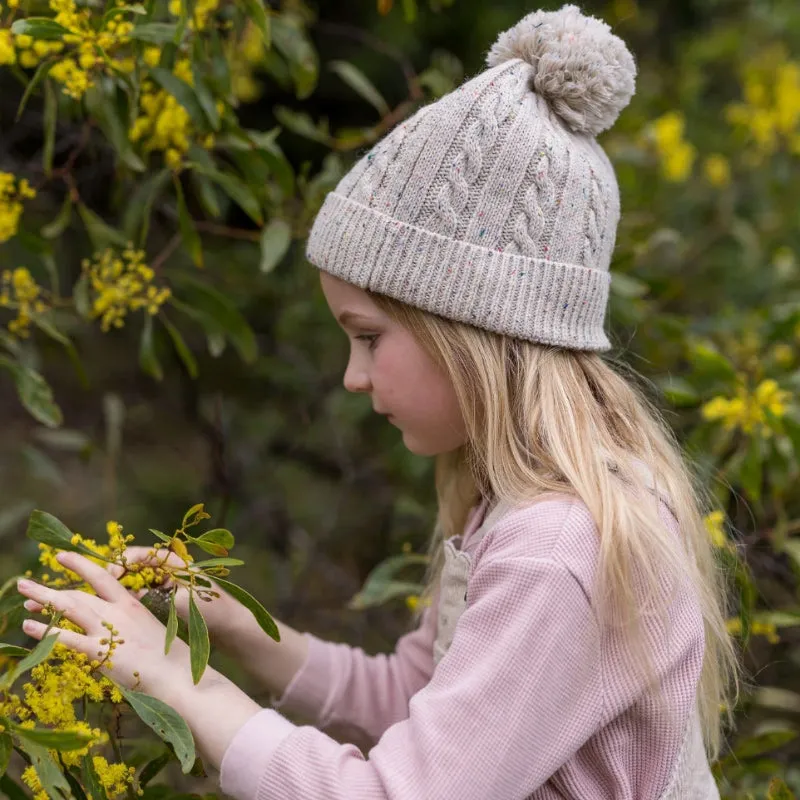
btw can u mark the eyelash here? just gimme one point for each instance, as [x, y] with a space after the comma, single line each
[372, 338]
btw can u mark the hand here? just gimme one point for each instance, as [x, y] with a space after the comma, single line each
[219, 612]
[139, 635]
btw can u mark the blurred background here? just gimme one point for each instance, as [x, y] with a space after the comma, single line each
[318, 490]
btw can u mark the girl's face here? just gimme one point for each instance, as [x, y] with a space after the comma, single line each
[402, 380]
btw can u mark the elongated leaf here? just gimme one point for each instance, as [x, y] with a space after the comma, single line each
[194, 515]
[36, 656]
[153, 767]
[183, 93]
[50, 118]
[181, 348]
[191, 239]
[101, 103]
[752, 467]
[265, 621]
[220, 536]
[204, 96]
[162, 536]
[236, 189]
[275, 240]
[38, 77]
[55, 740]
[763, 743]
[91, 780]
[148, 360]
[256, 12]
[381, 584]
[6, 746]
[154, 32]
[34, 393]
[199, 643]
[39, 28]
[172, 624]
[362, 85]
[302, 124]
[48, 771]
[291, 40]
[212, 562]
[101, 234]
[166, 722]
[217, 314]
[45, 528]
[47, 327]
[11, 789]
[778, 790]
[13, 651]
[61, 221]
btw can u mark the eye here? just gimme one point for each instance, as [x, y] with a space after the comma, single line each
[371, 338]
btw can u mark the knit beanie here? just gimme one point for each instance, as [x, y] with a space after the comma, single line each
[495, 206]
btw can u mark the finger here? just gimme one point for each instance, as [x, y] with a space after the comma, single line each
[32, 605]
[78, 607]
[75, 641]
[96, 576]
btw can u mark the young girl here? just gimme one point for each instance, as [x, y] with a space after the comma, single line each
[575, 644]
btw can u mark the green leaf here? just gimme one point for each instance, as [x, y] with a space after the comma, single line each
[362, 85]
[410, 10]
[34, 393]
[91, 780]
[381, 584]
[48, 771]
[236, 189]
[154, 32]
[13, 651]
[752, 467]
[778, 790]
[12, 790]
[292, 42]
[263, 618]
[214, 562]
[44, 325]
[61, 221]
[53, 739]
[302, 124]
[39, 28]
[102, 106]
[181, 348]
[162, 536]
[275, 240]
[172, 624]
[710, 363]
[764, 743]
[80, 296]
[38, 77]
[45, 528]
[166, 722]
[153, 767]
[221, 536]
[183, 93]
[191, 239]
[194, 515]
[216, 313]
[36, 656]
[141, 205]
[255, 11]
[204, 97]
[199, 644]
[148, 360]
[6, 746]
[101, 234]
[50, 118]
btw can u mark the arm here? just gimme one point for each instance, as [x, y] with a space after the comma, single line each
[514, 698]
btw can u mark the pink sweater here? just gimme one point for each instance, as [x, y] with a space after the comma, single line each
[525, 697]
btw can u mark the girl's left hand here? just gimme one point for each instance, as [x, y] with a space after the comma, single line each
[140, 635]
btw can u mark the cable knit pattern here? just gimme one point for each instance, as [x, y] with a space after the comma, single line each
[494, 205]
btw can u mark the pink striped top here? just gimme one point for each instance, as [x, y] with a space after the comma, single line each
[508, 689]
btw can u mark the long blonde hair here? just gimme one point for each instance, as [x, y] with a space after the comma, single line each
[547, 419]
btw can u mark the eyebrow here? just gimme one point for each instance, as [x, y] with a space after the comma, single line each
[352, 316]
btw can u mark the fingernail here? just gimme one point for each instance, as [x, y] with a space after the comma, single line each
[60, 557]
[28, 625]
[29, 605]
[23, 584]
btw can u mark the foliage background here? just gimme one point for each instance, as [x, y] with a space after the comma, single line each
[705, 304]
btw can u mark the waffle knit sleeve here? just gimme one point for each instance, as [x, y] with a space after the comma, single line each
[343, 686]
[518, 693]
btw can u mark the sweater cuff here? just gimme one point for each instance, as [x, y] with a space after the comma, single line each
[307, 692]
[247, 757]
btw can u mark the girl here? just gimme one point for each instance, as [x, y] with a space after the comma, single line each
[575, 644]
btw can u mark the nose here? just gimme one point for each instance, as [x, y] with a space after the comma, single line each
[356, 378]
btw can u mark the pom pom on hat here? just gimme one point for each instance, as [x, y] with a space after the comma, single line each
[580, 67]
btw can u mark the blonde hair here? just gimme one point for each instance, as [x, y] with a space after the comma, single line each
[546, 419]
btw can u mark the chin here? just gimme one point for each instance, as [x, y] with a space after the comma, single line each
[421, 447]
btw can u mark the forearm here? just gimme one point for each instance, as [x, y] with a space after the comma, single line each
[214, 709]
[272, 664]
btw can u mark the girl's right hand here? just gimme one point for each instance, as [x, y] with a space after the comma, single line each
[217, 611]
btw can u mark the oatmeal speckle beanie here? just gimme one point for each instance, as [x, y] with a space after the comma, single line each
[494, 205]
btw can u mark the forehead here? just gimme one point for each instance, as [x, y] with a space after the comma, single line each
[343, 296]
